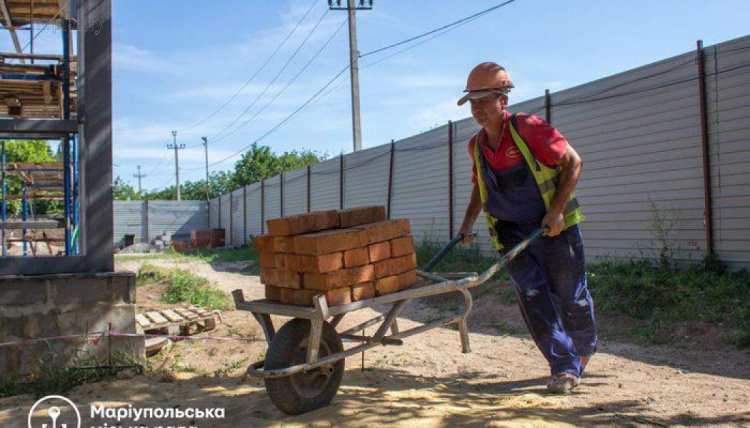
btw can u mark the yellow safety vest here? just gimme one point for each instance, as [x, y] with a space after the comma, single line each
[546, 179]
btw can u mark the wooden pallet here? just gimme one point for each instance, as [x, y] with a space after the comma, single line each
[179, 321]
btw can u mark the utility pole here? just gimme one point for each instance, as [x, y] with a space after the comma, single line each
[351, 8]
[208, 182]
[176, 148]
[139, 176]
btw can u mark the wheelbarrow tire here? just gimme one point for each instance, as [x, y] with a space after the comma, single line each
[303, 392]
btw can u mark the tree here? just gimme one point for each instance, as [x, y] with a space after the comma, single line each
[29, 151]
[122, 191]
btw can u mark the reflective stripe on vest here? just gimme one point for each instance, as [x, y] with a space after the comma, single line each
[546, 179]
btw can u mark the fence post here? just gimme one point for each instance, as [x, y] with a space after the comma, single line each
[147, 240]
[547, 107]
[244, 215]
[263, 207]
[707, 203]
[341, 181]
[231, 217]
[308, 188]
[450, 179]
[390, 180]
[281, 194]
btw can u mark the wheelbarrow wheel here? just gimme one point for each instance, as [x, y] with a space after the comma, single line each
[307, 391]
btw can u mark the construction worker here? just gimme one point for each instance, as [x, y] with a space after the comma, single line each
[524, 175]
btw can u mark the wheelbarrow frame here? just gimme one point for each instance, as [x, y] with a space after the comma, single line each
[321, 312]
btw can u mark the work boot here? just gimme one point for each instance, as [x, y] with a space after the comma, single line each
[563, 383]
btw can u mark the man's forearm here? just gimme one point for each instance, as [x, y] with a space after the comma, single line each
[473, 210]
[569, 175]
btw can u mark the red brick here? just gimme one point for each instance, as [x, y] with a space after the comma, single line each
[280, 261]
[280, 278]
[273, 293]
[395, 265]
[261, 243]
[338, 279]
[267, 275]
[267, 259]
[315, 264]
[379, 251]
[329, 241]
[386, 230]
[340, 296]
[361, 215]
[363, 291]
[387, 285]
[407, 279]
[402, 246]
[303, 223]
[282, 244]
[356, 257]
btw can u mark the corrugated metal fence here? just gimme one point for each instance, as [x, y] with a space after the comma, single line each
[147, 219]
[639, 134]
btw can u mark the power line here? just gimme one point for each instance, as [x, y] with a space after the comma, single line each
[216, 136]
[452, 24]
[312, 6]
[287, 85]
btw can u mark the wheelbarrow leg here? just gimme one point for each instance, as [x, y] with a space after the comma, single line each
[266, 324]
[464, 331]
[394, 327]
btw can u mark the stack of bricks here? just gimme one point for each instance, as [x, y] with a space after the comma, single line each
[348, 256]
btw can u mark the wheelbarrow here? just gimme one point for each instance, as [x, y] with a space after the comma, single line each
[304, 363]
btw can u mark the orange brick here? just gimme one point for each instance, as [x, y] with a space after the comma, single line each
[356, 257]
[407, 279]
[395, 265]
[386, 230]
[267, 275]
[339, 278]
[379, 251]
[329, 241]
[267, 259]
[363, 291]
[280, 261]
[361, 215]
[273, 293]
[282, 244]
[303, 223]
[315, 264]
[280, 278]
[402, 246]
[261, 243]
[387, 285]
[339, 296]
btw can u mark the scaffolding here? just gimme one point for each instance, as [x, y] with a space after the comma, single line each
[40, 91]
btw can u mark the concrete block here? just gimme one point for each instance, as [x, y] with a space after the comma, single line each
[379, 251]
[402, 246]
[23, 293]
[303, 223]
[338, 279]
[395, 265]
[386, 230]
[335, 297]
[282, 244]
[122, 288]
[73, 293]
[386, 285]
[315, 264]
[363, 291]
[330, 241]
[356, 257]
[361, 215]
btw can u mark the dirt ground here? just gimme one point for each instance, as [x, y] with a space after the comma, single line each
[428, 381]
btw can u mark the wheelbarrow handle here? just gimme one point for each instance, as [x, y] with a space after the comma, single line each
[443, 251]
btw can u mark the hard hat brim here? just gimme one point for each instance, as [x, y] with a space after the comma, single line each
[476, 94]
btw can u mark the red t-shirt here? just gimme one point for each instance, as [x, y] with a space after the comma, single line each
[545, 142]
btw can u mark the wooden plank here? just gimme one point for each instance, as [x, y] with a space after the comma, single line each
[47, 87]
[142, 320]
[157, 318]
[172, 316]
[186, 313]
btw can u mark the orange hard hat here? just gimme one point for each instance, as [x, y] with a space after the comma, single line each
[484, 79]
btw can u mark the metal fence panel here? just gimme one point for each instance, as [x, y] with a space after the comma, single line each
[324, 183]
[177, 217]
[295, 192]
[129, 218]
[366, 177]
[238, 226]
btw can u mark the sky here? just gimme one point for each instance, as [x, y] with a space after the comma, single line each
[180, 65]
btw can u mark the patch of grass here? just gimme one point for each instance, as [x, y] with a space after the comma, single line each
[507, 295]
[459, 259]
[508, 330]
[663, 294]
[184, 287]
[241, 254]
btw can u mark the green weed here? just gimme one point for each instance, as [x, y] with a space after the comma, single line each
[184, 287]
